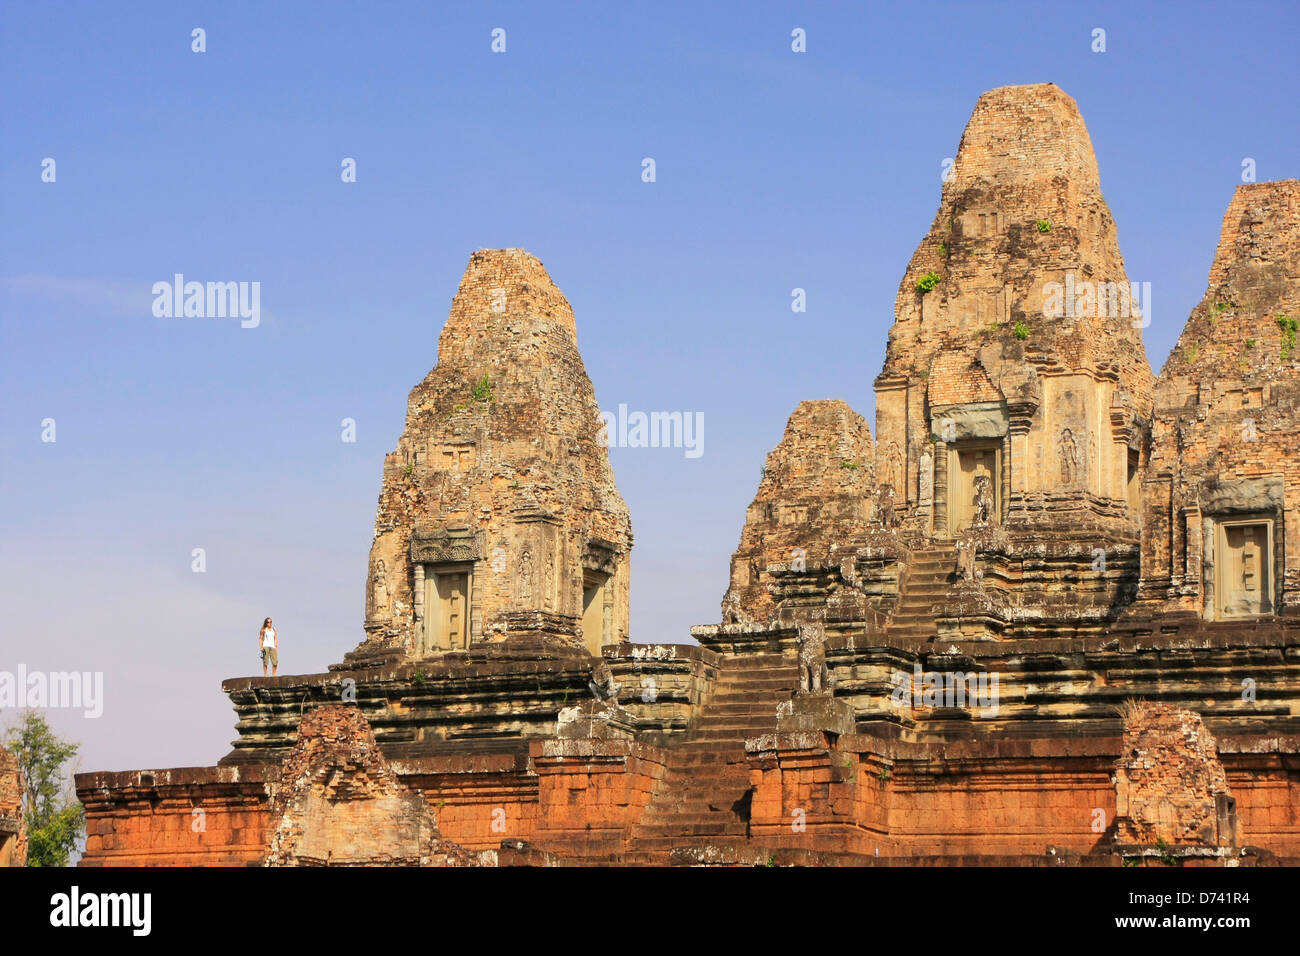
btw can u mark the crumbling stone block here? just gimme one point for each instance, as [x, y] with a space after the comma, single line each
[13, 827]
[1169, 784]
[341, 804]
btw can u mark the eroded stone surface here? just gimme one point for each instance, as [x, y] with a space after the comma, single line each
[1000, 351]
[810, 725]
[13, 829]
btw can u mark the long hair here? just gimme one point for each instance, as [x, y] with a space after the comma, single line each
[266, 622]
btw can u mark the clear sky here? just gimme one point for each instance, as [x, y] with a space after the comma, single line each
[775, 170]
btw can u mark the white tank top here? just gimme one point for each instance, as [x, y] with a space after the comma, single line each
[268, 637]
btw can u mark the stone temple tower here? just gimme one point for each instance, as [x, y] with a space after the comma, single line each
[498, 516]
[1016, 350]
[1224, 480]
[810, 514]
[1015, 362]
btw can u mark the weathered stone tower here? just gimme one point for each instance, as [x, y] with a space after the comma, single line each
[1224, 474]
[1015, 365]
[1016, 350]
[809, 515]
[498, 515]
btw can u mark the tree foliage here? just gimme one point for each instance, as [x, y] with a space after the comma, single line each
[54, 819]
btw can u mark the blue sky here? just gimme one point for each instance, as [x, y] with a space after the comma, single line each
[775, 170]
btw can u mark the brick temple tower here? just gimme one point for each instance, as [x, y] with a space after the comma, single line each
[498, 515]
[810, 513]
[1016, 350]
[1224, 474]
[1015, 363]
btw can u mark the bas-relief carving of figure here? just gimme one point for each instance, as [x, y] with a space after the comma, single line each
[983, 500]
[894, 465]
[927, 478]
[885, 515]
[1092, 458]
[813, 674]
[379, 589]
[526, 579]
[548, 580]
[1069, 457]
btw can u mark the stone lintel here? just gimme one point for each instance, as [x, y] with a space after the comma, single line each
[973, 420]
[1241, 496]
[445, 545]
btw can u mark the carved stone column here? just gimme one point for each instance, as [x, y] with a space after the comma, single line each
[418, 602]
[940, 489]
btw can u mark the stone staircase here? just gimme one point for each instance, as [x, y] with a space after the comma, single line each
[927, 583]
[705, 795]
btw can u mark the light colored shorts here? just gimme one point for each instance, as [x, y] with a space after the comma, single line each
[270, 655]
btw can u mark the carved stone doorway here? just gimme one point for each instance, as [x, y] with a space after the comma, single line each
[446, 604]
[1243, 569]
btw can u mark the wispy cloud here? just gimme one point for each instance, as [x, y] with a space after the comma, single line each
[118, 296]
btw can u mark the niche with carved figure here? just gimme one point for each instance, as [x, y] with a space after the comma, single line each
[968, 461]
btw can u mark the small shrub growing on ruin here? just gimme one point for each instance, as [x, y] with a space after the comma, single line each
[927, 282]
[410, 468]
[419, 676]
[1044, 225]
[762, 472]
[1193, 351]
[1020, 331]
[883, 776]
[1250, 343]
[943, 248]
[1167, 858]
[851, 465]
[1288, 327]
[483, 390]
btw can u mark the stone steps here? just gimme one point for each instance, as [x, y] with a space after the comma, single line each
[703, 797]
[925, 587]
